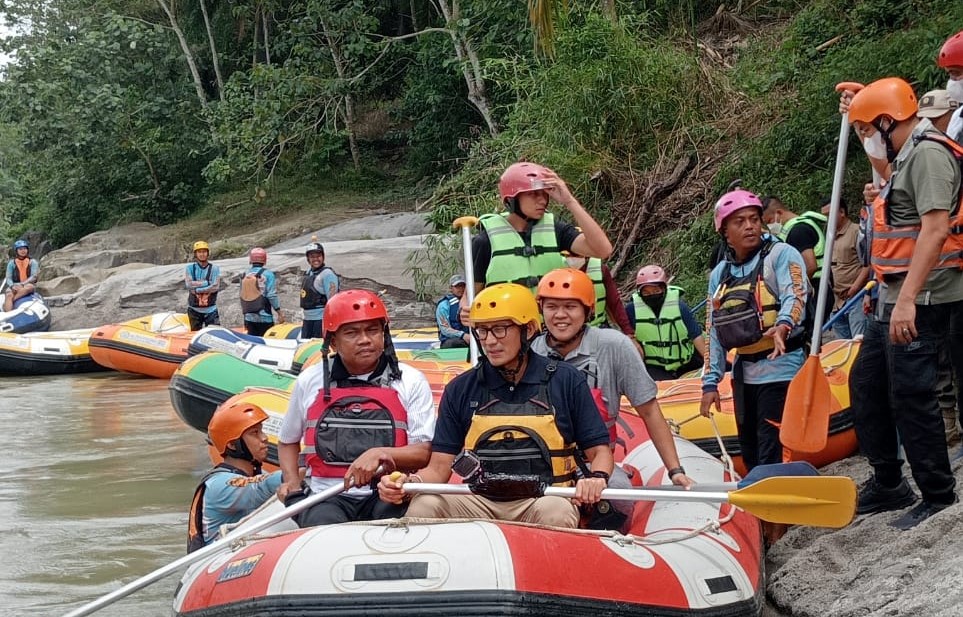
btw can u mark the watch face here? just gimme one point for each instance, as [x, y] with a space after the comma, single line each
[466, 464]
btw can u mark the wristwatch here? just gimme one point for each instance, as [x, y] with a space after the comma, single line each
[599, 474]
[676, 471]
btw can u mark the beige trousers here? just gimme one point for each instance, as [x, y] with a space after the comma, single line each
[554, 511]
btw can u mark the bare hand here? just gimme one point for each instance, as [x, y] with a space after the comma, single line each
[390, 488]
[589, 490]
[871, 192]
[280, 316]
[287, 488]
[902, 323]
[778, 332]
[363, 469]
[557, 189]
[710, 400]
[845, 98]
[680, 479]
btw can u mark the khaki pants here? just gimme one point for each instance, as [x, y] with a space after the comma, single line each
[554, 511]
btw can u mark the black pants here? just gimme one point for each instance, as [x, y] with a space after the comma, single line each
[199, 320]
[657, 373]
[256, 328]
[758, 410]
[310, 328]
[955, 345]
[342, 509]
[893, 396]
[454, 343]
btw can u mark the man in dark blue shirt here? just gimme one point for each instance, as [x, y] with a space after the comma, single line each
[521, 415]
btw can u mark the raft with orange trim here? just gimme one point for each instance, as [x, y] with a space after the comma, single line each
[153, 345]
[677, 558]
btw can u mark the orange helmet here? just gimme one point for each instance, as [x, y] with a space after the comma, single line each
[567, 284]
[890, 96]
[951, 54]
[352, 305]
[230, 421]
[521, 178]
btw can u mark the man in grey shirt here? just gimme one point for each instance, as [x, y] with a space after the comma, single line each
[606, 357]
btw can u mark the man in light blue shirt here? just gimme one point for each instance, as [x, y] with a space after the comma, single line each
[320, 283]
[203, 280]
[451, 332]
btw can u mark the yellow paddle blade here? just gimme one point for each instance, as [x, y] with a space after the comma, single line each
[805, 418]
[818, 501]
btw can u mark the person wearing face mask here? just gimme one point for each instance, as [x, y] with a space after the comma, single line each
[804, 232]
[950, 59]
[670, 335]
[608, 301]
[915, 254]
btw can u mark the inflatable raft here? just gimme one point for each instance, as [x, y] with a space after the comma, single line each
[29, 314]
[277, 354]
[692, 558]
[403, 338]
[154, 345]
[47, 353]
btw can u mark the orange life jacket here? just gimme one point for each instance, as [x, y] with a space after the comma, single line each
[22, 272]
[892, 246]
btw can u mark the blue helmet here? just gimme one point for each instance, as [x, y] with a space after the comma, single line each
[20, 244]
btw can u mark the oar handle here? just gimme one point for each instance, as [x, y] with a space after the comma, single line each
[466, 223]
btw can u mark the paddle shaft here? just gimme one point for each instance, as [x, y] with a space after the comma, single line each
[848, 305]
[617, 494]
[211, 549]
[466, 223]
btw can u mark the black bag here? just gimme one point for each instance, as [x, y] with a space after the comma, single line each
[738, 318]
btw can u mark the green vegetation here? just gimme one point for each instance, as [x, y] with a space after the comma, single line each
[228, 113]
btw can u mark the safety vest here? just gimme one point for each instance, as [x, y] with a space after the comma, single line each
[817, 221]
[664, 337]
[206, 299]
[744, 304]
[522, 438]
[22, 270]
[195, 516]
[892, 246]
[356, 417]
[512, 261]
[593, 268]
[454, 315]
[311, 298]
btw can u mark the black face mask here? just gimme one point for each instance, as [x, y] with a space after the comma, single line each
[655, 302]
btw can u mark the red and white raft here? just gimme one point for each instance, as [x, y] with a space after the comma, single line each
[702, 559]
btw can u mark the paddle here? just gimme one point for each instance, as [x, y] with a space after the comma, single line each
[824, 501]
[217, 546]
[849, 305]
[465, 223]
[805, 420]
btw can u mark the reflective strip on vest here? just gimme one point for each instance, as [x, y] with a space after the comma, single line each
[514, 262]
[664, 338]
[593, 269]
[815, 220]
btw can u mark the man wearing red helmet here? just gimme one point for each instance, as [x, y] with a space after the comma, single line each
[259, 295]
[665, 327]
[915, 254]
[950, 59]
[355, 412]
[236, 487]
[524, 243]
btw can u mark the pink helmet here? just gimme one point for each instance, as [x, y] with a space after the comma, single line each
[520, 178]
[650, 275]
[257, 256]
[732, 201]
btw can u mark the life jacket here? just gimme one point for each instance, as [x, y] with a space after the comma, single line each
[202, 300]
[454, 315]
[593, 268]
[22, 270]
[512, 261]
[252, 292]
[664, 337]
[195, 517]
[892, 246]
[311, 298]
[591, 372]
[357, 416]
[744, 307]
[522, 438]
[817, 221]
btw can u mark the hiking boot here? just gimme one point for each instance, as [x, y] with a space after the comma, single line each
[874, 497]
[918, 514]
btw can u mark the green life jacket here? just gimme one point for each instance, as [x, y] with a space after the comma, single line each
[512, 260]
[818, 222]
[593, 269]
[664, 338]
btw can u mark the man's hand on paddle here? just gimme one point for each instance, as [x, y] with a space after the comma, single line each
[363, 469]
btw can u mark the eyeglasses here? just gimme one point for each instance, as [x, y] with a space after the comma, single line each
[498, 332]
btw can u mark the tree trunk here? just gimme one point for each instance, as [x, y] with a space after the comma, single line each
[215, 59]
[257, 33]
[267, 47]
[188, 54]
[349, 119]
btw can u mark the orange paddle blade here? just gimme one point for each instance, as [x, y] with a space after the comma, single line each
[805, 419]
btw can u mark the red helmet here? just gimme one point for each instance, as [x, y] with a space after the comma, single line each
[520, 178]
[567, 284]
[951, 54]
[257, 256]
[650, 275]
[350, 306]
[231, 420]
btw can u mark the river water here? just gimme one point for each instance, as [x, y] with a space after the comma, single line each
[100, 473]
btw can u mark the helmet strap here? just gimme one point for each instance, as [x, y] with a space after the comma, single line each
[515, 208]
[243, 453]
[891, 152]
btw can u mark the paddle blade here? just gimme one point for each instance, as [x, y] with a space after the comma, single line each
[805, 419]
[824, 501]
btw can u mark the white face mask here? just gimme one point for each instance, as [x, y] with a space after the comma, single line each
[875, 146]
[575, 262]
[775, 228]
[955, 89]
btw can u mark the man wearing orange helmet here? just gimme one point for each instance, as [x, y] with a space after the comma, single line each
[915, 253]
[203, 279]
[356, 412]
[236, 487]
[670, 336]
[259, 295]
[950, 59]
[517, 414]
[524, 243]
